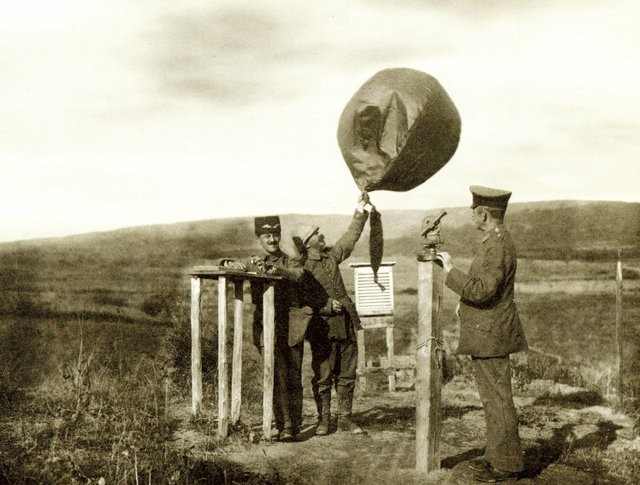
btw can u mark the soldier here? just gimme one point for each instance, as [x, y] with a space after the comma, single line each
[287, 379]
[334, 323]
[490, 330]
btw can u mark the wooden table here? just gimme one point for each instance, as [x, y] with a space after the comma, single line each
[229, 409]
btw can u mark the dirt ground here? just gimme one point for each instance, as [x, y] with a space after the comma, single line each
[561, 429]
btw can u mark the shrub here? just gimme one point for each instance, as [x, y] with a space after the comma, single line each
[177, 347]
[154, 305]
[24, 305]
[91, 423]
[20, 357]
[532, 365]
[86, 423]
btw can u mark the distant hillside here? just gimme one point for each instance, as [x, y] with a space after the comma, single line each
[136, 274]
[542, 230]
[546, 230]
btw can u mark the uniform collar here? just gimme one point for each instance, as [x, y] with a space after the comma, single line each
[273, 256]
[499, 229]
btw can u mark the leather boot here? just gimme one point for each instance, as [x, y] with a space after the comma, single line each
[318, 400]
[325, 416]
[345, 420]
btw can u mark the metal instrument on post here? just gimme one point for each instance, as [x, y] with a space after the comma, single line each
[433, 239]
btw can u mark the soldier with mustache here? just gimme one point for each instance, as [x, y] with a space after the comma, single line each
[333, 326]
[287, 385]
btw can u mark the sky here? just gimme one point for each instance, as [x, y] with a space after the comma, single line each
[119, 113]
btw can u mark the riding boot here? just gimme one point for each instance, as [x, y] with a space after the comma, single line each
[345, 419]
[318, 400]
[325, 416]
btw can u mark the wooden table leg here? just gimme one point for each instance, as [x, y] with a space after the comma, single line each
[362, 363]
[223, 387]
[236, 366]
[391, 359]
[196, 358]
[268, 333]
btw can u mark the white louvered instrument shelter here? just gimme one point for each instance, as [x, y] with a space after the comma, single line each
[373, 299]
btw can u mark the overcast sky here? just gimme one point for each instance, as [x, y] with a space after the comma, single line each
[117, 113]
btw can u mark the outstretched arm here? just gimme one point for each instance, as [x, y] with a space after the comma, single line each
[344, 246]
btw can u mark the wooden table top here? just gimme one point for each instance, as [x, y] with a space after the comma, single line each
[214, 272]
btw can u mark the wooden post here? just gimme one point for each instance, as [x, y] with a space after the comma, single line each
[196, 359]
[236, 365]
[390, 359]
[362, 364]
[268, 333]
[223, 387]
[619, 328]
[428, 367]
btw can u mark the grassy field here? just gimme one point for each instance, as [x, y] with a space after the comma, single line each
[93, 397]
[95, 349]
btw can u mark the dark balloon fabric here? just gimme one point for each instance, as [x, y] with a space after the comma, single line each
[376, 242]
[398, 130]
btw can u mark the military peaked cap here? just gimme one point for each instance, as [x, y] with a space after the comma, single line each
[267, 225]
[488, 197]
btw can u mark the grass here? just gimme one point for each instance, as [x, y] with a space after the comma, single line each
[97, 404]
[83, 398]
[99, 409]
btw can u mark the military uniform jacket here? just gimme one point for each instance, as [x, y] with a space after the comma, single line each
[489, 321]
[285, 293]
[324, 283]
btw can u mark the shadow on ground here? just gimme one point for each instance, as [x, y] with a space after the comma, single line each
[562, 443]
[558, 450]
[452, 461]
[222, 471]
[400, 418]
[577, 400]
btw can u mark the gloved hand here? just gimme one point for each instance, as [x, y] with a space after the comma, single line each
[363, 201]
[336, 307]
[231, 264]
[273, 270]
[332, 307]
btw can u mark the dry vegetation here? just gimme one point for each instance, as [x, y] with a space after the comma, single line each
[95, 356]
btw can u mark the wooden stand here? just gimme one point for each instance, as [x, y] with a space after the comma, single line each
[428, 367]
[368, 323]
[374, 303]
[231, 410]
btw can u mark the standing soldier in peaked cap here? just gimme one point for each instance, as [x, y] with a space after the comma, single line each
[490, 330]
[334, 324]
[287, 379]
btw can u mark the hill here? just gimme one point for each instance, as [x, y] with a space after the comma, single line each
[564, 230]
[136, 273]
[126, 267]
[547, 230]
